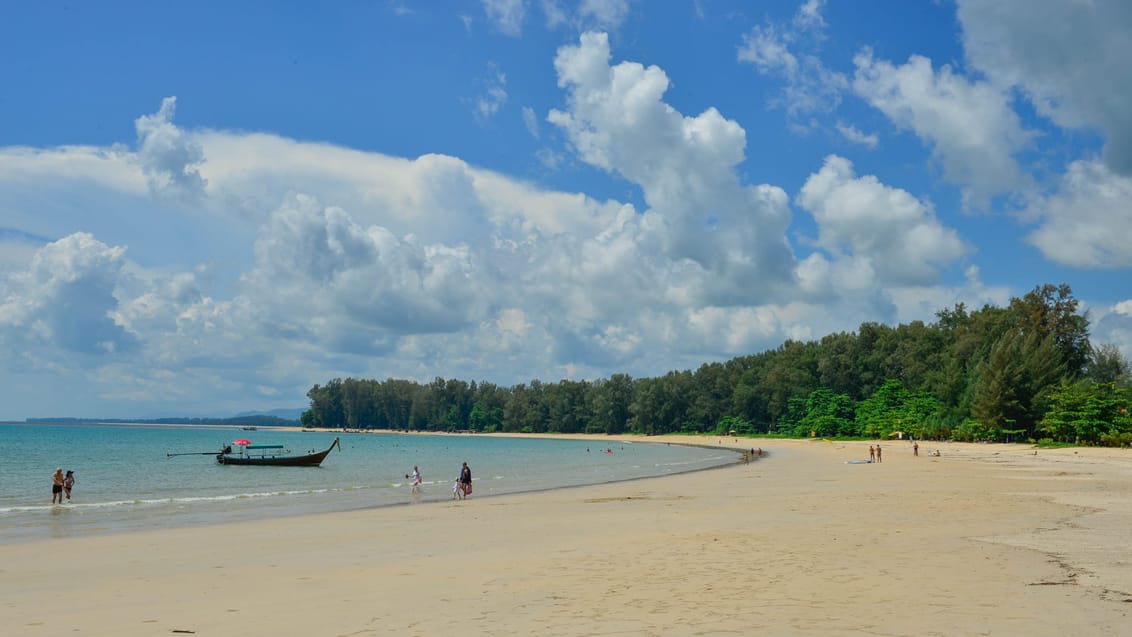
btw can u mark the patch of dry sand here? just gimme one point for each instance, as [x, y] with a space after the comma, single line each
[984, 540]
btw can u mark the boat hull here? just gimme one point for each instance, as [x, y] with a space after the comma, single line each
[309, 460]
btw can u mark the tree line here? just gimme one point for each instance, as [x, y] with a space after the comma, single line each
[1026, 371]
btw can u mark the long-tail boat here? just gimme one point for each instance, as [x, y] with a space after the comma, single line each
[274, 455]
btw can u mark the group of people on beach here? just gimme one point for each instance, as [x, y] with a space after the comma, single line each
[875, 452]
[461, 489]
[61, 485]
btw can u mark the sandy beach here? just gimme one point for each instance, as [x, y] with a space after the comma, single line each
[983, 540]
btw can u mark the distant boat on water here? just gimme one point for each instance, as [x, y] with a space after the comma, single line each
[253, 428]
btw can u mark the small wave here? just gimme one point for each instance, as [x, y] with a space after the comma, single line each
[25, 509]
[685, 463]
[149, 502]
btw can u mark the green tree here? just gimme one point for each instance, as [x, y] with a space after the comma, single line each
[1018, 371]
[829, 414]
[611, 405]
[791, 420]
[791, 372]
[837, 364]
[748, 401]
[893, 408]
[734, 424]
[1050, 310]
[326, 404]
[969, 338]
[1085, 412]
[711, 393]
[1108, 365]
[567, 406]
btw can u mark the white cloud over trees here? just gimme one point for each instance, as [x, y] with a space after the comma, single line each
[895, 234]
[224, 263]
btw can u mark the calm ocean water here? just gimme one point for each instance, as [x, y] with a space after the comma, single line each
[125, 481]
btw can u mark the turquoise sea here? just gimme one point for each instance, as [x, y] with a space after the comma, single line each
[126, 481]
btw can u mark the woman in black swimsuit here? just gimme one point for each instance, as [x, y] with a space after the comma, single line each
[466, 480]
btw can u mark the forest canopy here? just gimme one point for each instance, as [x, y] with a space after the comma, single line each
[1022, 372]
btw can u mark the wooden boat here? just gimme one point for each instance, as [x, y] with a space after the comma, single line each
[274, 455]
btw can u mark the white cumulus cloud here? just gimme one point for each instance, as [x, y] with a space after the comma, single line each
[169, 157]
[970, 126]
[890, 233]
[66, 299]
[1068, 58]
[1087, 222]
[617, 120]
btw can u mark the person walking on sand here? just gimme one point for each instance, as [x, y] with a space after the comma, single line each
[878, 453]
[915, 449]
[466, 480]
[57, 486]
[872, 454]
[68, 484]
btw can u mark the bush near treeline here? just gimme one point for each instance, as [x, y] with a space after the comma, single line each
[1025, 372]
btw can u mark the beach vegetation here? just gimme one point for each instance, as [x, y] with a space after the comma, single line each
[1025, 371]
[1086, 412]
[733, 426]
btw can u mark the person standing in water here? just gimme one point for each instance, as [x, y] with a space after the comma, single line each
[466, 480]
[68, 484]
[57, 486]
[415, 479]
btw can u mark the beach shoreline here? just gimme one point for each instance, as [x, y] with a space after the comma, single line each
[985, 539]
[152, 491]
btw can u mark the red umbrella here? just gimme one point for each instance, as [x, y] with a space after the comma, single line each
[243, 442]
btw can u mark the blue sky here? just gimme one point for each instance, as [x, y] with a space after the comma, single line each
[209, 207]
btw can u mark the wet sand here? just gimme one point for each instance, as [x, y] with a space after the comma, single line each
[983, 540]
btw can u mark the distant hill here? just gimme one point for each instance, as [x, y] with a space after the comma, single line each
[258, 420]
